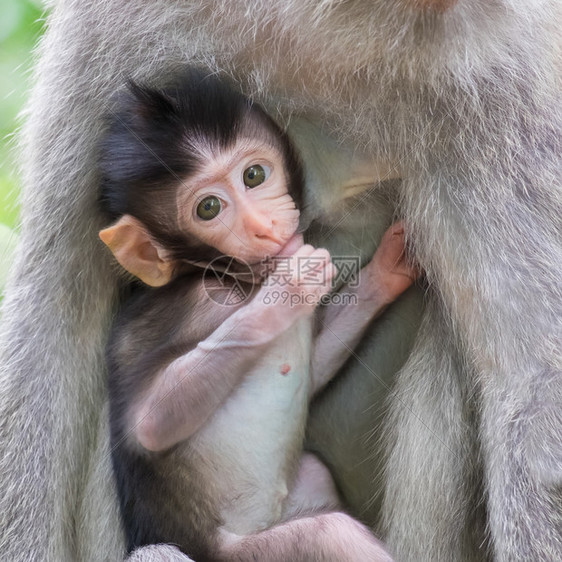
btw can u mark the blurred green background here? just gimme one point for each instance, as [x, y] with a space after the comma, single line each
[21, 25]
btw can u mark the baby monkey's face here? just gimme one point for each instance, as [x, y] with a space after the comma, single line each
[238, 202]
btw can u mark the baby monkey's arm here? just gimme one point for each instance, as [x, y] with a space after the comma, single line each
[381, 281]
[185, 393]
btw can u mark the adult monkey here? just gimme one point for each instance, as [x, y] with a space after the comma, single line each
[463, 98]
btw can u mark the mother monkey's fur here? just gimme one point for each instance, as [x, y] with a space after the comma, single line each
[464, 101]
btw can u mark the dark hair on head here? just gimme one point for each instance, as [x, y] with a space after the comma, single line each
[152, 142]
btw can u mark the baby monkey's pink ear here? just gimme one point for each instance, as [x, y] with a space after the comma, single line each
[136, 250]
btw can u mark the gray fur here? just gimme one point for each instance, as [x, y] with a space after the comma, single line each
[468, 104]
[158, 553]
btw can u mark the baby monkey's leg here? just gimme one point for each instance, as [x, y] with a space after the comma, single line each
[313, 491]
[312, 531]
[325, 537]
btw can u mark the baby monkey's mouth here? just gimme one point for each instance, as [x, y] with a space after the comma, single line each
[273, 248]
[292, 245]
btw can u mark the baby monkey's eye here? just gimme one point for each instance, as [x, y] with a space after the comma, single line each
[209, 208]
[255, 175]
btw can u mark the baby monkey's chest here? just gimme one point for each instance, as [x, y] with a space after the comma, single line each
[253, 442]
[269, 405]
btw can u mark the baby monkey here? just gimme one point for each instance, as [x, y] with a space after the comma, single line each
[208, 402]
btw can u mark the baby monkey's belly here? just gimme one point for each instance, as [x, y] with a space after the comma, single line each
[248, 452]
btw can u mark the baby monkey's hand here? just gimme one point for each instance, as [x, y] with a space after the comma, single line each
[390, 272]
[312, 273]
[299, 281]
